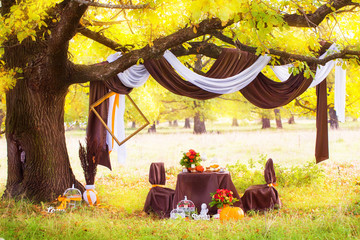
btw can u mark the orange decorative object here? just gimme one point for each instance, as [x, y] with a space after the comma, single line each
[214, 165]
[231, 213]
[199, 168]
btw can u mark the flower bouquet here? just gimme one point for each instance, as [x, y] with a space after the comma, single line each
[222, 197]
[191, 157]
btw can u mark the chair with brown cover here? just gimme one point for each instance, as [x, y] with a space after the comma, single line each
[159, 199]
[265, 196]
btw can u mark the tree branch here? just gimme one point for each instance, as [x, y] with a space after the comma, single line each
[83, 73]
[298, 103]
[65, 29]
[98, 37]
[208, 49]
[344, 54]
[112, 6]
[314, 19]
[87, 23]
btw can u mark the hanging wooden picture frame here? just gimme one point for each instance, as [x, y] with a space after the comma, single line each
[101, 100]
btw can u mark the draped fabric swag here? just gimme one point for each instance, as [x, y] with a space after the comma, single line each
[233, 71]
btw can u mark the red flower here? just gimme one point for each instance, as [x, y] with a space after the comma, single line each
[191, 161]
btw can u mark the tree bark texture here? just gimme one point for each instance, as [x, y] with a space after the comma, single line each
[187, 123]
[199, 124]
[38, 163]
[265, 123]
[278, 118]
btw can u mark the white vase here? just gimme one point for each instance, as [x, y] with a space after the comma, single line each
[90, 195]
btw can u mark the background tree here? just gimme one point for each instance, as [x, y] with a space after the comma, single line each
[38, 39]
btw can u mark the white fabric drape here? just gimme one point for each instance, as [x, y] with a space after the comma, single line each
[215, 85]
[133, 77]
[340, 92]
[116, 124]
[282, 72]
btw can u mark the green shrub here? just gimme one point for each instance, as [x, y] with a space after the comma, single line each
[246, 175]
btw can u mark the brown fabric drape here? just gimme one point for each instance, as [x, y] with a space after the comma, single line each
[265, 196]
[266, 93]
[262, 92]
[322, 141]
[230, 62]
[95, 131]
[157, 173]
[159, 199]
[269, 172]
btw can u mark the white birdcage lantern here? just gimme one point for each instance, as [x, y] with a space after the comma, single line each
[177, 213]
[187, 206]
[73, 195]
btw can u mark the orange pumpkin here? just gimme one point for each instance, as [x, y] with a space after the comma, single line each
[199, 168]
[231, 213]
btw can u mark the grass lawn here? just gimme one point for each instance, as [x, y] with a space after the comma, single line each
[319, 201]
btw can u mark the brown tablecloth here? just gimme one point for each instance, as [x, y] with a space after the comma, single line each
[198, 186]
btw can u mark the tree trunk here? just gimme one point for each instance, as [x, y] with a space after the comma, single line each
[334, 123]
[133, 124]
[199, 124]
[265, 122]
[235, 122]
[38, 163]
[278, 118]
[152, 128]
[291, 120]
[175, 123]
[170, 123]
[187, 123]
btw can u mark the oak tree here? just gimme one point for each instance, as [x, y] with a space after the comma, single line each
[39, 63]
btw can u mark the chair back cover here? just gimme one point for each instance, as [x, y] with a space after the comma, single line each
[157, 174]
[159, 199]
[265, 196]
[269, 172]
